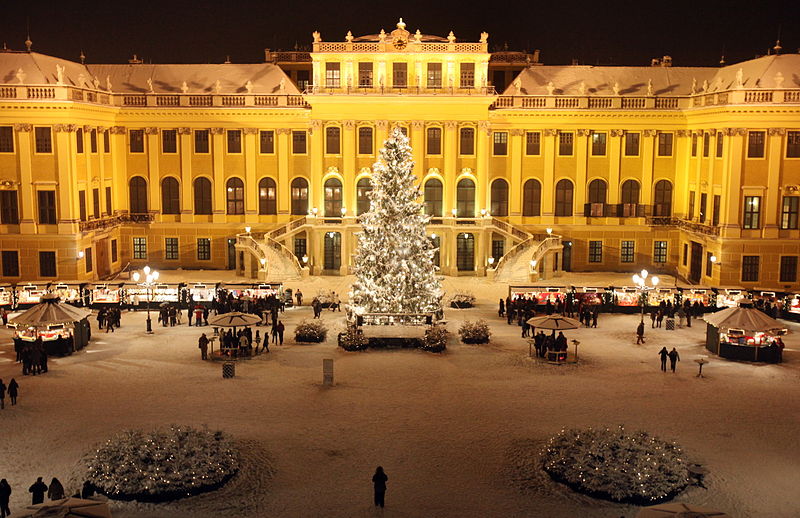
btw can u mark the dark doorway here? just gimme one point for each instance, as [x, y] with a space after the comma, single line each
[566, 257]
[103, 264]
[333, 251]
[696, 265]
[231, 253]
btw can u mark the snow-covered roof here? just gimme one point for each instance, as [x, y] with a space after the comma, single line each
[39, 69]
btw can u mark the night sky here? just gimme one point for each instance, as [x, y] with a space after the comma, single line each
[600, 32]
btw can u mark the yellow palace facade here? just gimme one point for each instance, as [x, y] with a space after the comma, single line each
[525, 169]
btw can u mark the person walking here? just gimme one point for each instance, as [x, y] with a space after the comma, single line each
[640, 333]
[663, 354]
[56, 490]
[653, 319]
[13, 390]
[274, 333]
[379, 483]
[594, 317]
[5, 496]
[202, 344]
[299, 297]
[659, 318]
[281, 328]
[37, 491]
[502, 310]
[673, 359]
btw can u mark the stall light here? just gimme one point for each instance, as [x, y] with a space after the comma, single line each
[155, 275]
[654, 280]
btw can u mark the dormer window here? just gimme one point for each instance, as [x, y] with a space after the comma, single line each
[365, 74]
[333, 77]
[467, 75]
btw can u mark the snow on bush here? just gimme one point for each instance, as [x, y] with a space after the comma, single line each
[435, 339]
[352, 340]
[474, 332]
[314, 331]
[612, 464]
[162, 464]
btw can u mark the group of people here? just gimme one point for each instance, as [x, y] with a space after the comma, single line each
[109, 318]
[673, 356]
[335, 304]
[543, 343]
[38, 491]
[170, 316]
[13, 392]
[32, 355]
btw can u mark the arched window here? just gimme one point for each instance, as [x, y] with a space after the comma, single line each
[170, 196]
[363, 187]
[465, 198]
[597, 191]
[299, 196]
[267, 196]
[564, 198]
[499, 198]
[662, 199]
[333, 198]
[202, 196]
[630, 198]
[138, 195]
[234, 193]
[433, 198]
[532, 198]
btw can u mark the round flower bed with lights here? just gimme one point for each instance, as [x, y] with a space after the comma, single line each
[616, 465]
[163, 464]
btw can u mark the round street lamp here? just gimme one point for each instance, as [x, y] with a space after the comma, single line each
[148, 283]
[640, 279]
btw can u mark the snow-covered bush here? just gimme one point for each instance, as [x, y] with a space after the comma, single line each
[314, 331]
[474, 332]
[162, 464]
[435, 339]
[462, 300]
[612, 464]
[352, 340]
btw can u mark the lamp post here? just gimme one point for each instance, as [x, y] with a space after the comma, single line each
[150, 278]
[640, 279]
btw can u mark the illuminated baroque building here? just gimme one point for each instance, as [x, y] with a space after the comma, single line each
[660, 167]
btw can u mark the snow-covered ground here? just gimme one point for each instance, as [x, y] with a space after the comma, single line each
[453, 431]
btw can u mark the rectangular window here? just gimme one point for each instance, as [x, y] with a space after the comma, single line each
[364, 140]
[114, 256]
[716, 210]
[79, 140]
[267, 140]
[467, 141]
[626, 251]
[299, 142]
[10, 263]
[789, 212]
[595, 251]
[47, 207]
[500, 141]
[750, 268]
[598, 144]
[6, 139]
[333, 140]
[399, 75]
[694, 144]
[706, 143]
[434, 141]
[434, 75]
[720, 144]
[203, 249]
[234, 141]
[665, 144]
[44, 139]
[685, 253]
[788, 268]
[47, 264]
[498, 246]
[660, 252]
[169, 141]
[467, 75]
[303, 79]
[565, 141]
[9, 208]
[82, 204]
[792, 144]
[533, 143]
[140, 248]
[109, 202]
[365, 74]
[752, 212]
[87, 257]
[95, 203]
[171, 248]
[690, 211]
[106, 142]
[631, 144]
[136, 140]
[201, 144]
[333, 77]
[93, 141]
[709, 264]
[755, 144]
[703, 202]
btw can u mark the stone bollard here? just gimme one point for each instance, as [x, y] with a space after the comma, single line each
[327, 372]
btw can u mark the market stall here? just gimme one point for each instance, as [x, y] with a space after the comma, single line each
[202, 293]
[539, 294]
[590, 296]
[791, 307]
[6, 297]
[728, 296]
[104, 295]
[666, 295]
[626, 299]
[158, 294]
[744, 333]
[29, 295]
[61, 327]
[768, 301]
[67, 292]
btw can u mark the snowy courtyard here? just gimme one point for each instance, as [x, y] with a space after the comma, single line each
[457, 432]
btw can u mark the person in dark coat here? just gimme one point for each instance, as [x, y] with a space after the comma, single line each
[673, 359]
[56, 490]
[5, 496]
[280, 328]
[502, 309]
[640, 333]
[37, 491]
[13, 390]
[379, 482]
[88, 490]
[202, 344]
[663, 354]
[653, 319]
[299, 297]
[594, 317]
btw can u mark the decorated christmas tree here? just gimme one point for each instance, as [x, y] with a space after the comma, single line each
[394, 262]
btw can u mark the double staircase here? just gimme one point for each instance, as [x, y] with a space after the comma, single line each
[272, 256]
[524, 258]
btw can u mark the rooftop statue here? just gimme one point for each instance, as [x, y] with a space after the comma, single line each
[740, 78]
[616, 88]
[694, 85]
[108, 83]
[150, 85]
[484, 37]
[418, 36]
[217, 87]
[21, 76]
[582, 88]
[317, 37]
[382, 36]
[451, 37]
[650, 88]
[249, 86]
[401, 24]
[349, 37]
[184, 87]
[59, 74]
[550, 88]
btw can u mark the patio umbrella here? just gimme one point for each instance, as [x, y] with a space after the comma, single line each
[50, 311]
[744, 317]
[234, 319]
[68, 508]
[554, 322]
[679, 511]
